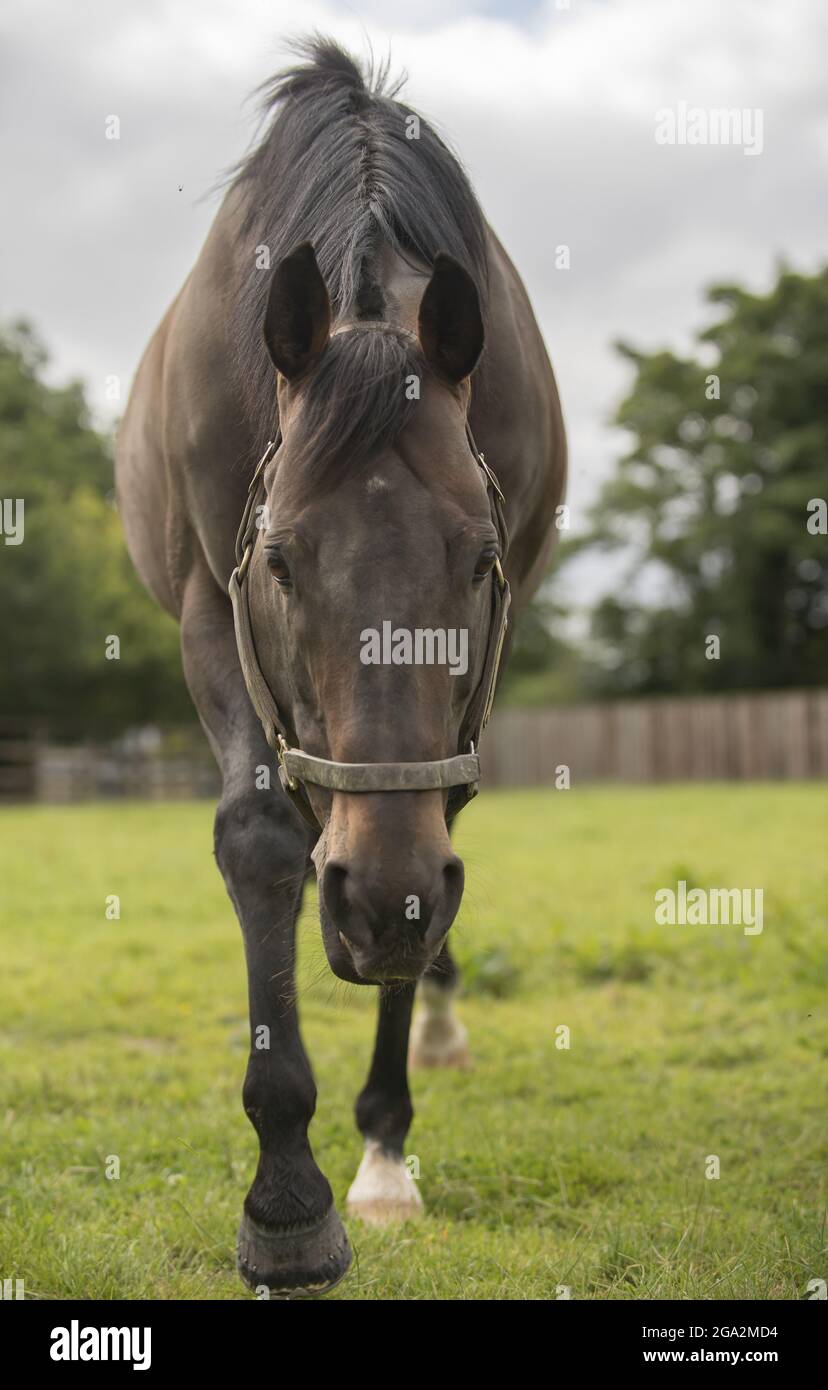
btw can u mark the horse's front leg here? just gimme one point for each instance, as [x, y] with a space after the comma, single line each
[384, 1189]
[291, 1241]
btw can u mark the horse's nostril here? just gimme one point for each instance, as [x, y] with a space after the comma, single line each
[453, 881]
[334, 892]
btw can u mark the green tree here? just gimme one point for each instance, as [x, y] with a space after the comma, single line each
[710, 506]
[69, 585]
[543, 668]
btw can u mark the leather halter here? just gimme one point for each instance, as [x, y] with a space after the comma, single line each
[460, 774]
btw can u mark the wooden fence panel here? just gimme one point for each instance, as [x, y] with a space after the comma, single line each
[778, 735]
[819, 734]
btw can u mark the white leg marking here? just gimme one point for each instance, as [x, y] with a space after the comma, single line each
[438, 1038]
[383, 1190]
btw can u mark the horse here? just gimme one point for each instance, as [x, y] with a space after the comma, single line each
[303, 463]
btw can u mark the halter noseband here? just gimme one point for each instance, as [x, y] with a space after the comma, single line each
[460, 774]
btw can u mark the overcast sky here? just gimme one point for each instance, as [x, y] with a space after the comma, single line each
[552, 108]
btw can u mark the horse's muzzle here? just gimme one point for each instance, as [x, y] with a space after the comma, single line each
[373, 937]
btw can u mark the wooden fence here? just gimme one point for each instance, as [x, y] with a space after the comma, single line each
[94, 774]
[728, 737]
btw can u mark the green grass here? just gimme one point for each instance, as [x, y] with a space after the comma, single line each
[540, 1167]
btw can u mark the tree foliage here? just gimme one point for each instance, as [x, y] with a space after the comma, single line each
[710, 505]
[69, 585]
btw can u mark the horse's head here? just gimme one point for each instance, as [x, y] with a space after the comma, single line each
[370, 595]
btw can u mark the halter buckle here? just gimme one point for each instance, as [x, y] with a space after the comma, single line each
[289, 783]
[241, 568]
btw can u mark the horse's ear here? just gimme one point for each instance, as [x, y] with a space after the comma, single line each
[450, 324]
[297, 322]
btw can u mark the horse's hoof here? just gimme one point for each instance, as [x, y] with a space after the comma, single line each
[383, 1193]
[293, 1264]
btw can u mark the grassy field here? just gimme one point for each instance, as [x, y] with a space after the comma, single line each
[541, 1167]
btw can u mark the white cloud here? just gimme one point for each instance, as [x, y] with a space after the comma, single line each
[553, 117]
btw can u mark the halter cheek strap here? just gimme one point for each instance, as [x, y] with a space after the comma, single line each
[460, 774]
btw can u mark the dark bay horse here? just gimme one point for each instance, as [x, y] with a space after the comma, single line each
[352, 310]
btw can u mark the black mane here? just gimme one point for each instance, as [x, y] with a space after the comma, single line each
[336, 168]
[356, 402]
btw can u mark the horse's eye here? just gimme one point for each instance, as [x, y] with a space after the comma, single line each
[278, 566]
[484, 564]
